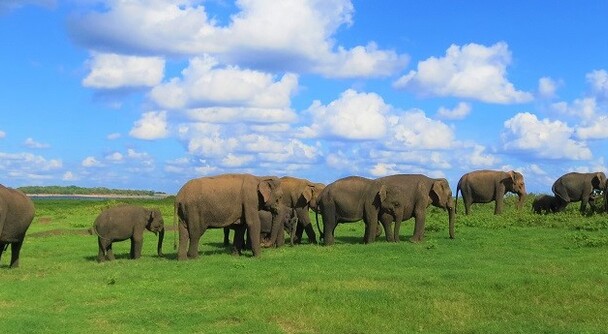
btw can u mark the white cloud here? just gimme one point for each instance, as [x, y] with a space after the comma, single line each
[413, 130]
[2, 134]
[240, 114]
[204, 82]
[461, 111]
[69, 176]
[382, 169]
[115, 157]
[478, 157]
[91, 162]
[232, 161]
[353, 116]
[472, 71]
[547, 87]
[111, 71]
[31, 143]
[598, 80]
[595, 130]
[288, 35]
[543, 138]
[28, 166]
[152, 125]
[114, 136]
[584, 108]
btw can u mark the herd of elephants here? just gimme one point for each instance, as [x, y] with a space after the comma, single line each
[268, 206]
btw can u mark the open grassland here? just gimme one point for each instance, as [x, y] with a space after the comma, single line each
[517, 272]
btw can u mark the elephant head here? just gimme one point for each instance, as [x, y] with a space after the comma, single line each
[441, 196]
[389, 199]
[599, 181]
[270, 192]
[311, 194]
[156, 224]
[515, 184]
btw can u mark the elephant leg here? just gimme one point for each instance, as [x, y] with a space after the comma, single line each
[239, 239]
[136, 246]
[2, 245]
[254, 236]
[467, 204]
[184, 236]
[386, 220]
[101, 254]
[304, 221]
[226, 236]
[418, 228]
[584, 202]
[299, 232]
[329, 225]
[15, 250]
[193, 244]
[499, 204]
[109, 252]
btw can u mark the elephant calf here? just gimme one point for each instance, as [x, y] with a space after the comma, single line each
[127, 222]
[546, 204]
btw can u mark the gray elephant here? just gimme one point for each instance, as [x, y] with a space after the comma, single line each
[124, 222]
[574, 187]
[16, 215]
[484, 186]
[220, 201]
[546, 204]
[355, 198]
[285, 217]
[420, 192]
[300, 195]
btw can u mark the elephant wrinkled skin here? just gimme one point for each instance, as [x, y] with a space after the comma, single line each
[16, 215]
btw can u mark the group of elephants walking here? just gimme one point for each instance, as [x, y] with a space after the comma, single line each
[266, 206]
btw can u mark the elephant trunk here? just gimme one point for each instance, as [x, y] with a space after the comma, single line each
[161, 236]
[520, 202]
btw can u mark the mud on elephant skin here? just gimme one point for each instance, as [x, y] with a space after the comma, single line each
[357, 198]
[484, 186]
[124, 222]
[220, 201]
[420, 192]
[16, 215]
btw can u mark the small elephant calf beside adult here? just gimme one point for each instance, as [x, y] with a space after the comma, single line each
[124, 222]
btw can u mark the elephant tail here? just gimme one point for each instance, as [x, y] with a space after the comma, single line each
[175, 213]
[321, 235]
[456, 202]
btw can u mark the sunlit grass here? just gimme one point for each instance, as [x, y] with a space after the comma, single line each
[517, 272]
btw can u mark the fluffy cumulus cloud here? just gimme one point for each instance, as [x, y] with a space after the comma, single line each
[547, 87]
[475, 156]
[111, 71]
[90, 161]
[584, 108]
[461, 111]
[291, 35]
[471, 71]
[353, 116]
[596, 129]
[543, 138]
[414, 130]
[205, 83]
[28, 167]
[598, 80]
[152, 125]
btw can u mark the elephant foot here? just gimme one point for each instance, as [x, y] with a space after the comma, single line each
[416, 239]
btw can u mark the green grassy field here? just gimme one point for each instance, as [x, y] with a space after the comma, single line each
[515, 273]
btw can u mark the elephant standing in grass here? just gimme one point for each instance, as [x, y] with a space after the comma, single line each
[546, 204]
[484, 186]
[574, 187]
[221, 201]
[357, 198]
[124, 222]
[420, 192]
[300, 195]
[16, 215]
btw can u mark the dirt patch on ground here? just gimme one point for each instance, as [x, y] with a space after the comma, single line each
[59, 231]
[44, 220]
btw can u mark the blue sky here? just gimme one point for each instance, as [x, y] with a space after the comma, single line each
[148, 94]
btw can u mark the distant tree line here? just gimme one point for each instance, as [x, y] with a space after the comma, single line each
[74, 190]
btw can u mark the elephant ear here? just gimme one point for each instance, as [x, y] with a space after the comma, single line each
[265, 190]
[382, 193]
[308, 192]
[437, 190]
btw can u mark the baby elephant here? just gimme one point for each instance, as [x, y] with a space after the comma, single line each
[546, 203]
[127, 222]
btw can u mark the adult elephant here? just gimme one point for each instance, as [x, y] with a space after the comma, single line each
[420, 192]
[16, 215]
[355, 198]
[124, 222]
[575, 187]
[300, 195]
[223, 200]
[484, 186]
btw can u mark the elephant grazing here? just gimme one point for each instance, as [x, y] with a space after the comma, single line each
[353, 198]
[124, 222]
[546, 204]
[574, 187]
[16, 215]
[484, 186]
[221, 201]
[420, 192]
